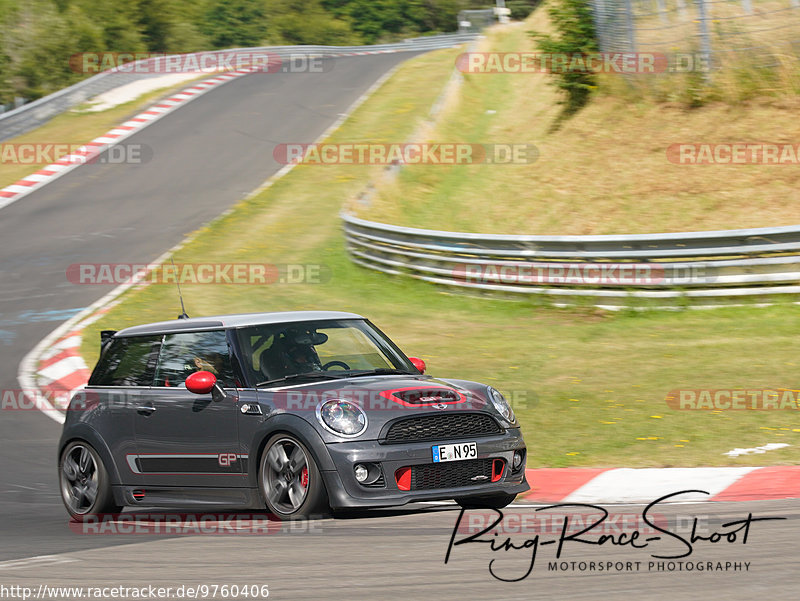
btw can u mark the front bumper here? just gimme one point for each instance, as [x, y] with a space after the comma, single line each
[344, 491]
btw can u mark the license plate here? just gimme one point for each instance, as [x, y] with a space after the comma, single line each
[455, 452]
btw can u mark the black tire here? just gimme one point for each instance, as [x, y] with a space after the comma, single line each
[288, 490]
[84, 482]
[497, 501]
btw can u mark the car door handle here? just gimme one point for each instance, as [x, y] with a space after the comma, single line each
[145, 409]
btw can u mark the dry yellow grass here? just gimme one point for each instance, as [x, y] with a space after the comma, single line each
[605, 171]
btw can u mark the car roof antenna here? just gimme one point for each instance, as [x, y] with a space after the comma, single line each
[183, 314]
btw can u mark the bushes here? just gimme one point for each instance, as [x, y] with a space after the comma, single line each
[576, 35]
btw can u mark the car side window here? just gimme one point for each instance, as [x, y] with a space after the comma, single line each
[127, 362]
[186, 353]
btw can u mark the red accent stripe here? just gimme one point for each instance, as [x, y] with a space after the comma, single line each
[554, 484]
[45, 172]
[25, 182]
[777, 482]
[5, 194]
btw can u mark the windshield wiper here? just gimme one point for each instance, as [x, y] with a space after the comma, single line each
[311, 375]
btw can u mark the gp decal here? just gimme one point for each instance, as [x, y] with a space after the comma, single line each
[185, 464]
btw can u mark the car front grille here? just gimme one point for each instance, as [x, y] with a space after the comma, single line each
[441, 427]
[451, 475]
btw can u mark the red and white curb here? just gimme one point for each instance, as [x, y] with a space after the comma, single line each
[645, 485]
[61, 370]
[90, 150]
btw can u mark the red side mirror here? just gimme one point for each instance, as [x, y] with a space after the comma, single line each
[418, 363]
[201, 382]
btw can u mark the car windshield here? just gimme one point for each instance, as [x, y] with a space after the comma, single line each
[317, 350]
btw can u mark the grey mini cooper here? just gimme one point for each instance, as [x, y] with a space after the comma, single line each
[301, 412]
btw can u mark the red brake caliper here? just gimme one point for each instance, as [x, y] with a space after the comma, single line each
[304, 477]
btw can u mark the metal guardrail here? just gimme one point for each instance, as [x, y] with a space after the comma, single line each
[675, 269]
[34, 114]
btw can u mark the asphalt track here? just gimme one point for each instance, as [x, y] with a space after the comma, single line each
[206, 156]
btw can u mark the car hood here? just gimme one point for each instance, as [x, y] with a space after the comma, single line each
[389, 396]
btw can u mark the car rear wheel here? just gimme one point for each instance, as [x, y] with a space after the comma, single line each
[85, 485]
[497, 501]
[289, 479]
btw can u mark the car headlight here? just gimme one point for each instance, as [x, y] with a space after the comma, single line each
[501, 404]
[342, 418]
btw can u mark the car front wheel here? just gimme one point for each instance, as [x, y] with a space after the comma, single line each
[85, 485]
[289, 479]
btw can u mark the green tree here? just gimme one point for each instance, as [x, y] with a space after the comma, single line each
[308, 23]
[121, 31]
[520, 9]
[44, 60]
[8, 16]
[235, 23]
[575, 35]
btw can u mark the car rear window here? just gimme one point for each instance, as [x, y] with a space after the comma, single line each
[127, 362]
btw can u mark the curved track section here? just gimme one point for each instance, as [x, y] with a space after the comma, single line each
[205, 157]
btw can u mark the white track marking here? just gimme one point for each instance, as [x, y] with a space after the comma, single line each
[757, 450]
[36, 561]
[627, 485]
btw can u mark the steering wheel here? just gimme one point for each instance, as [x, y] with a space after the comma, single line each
[335, 363]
